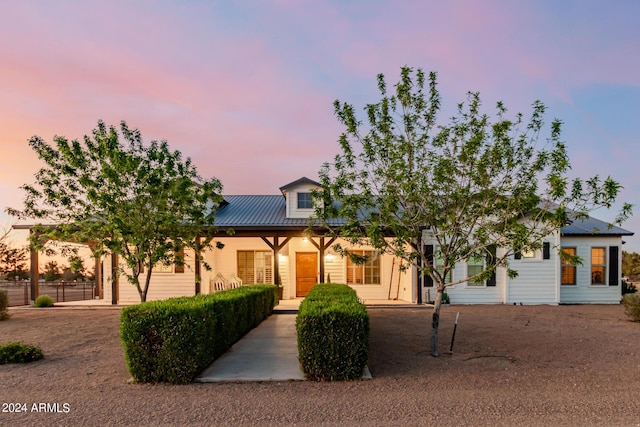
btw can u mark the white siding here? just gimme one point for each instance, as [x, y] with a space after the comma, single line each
[291, 195]
[162, 286]
[463, 294]
[583, 291]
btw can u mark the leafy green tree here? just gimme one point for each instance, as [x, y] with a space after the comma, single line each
[13, 262]
[476, 187]
[631, 264]
[141, 202]
[52, 271]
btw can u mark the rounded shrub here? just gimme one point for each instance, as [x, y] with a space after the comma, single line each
[43, 301]
[631, 304]
[18, 352]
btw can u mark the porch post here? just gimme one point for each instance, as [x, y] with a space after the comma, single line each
[97, 274]
[34, 275]
[114, 279]
[276, 262]
[197, 271]
[321, 249]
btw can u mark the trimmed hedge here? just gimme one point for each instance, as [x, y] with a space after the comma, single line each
[4, 304]
[333, 333]
[18, 352]
[174, 340]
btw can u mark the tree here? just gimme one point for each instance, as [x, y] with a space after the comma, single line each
[51, 271]
[477, 189]
[631, 264]
[141, 202]
[75, 271]
[13, 261]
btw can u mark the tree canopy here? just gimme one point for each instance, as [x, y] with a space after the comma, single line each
[143, 202]
[472, 185]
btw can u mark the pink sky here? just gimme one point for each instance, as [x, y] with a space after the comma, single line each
[246, 88]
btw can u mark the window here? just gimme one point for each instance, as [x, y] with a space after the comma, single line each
[475, 265]
[255, 266]
[438, 263]
[568, 269]
[598, 266]
[171, 268]
[364, 274]
[305, 201]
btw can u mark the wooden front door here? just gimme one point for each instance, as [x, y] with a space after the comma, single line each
[306, 272]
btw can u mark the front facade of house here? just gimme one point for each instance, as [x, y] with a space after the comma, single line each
[270, 242]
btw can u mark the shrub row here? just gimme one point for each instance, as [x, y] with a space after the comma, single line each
[4, 304]
[176, 339]
[17, 352]
[333, 333]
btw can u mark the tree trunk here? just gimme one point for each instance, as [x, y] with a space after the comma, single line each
[435, 322]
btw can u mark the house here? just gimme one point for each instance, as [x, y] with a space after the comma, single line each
[270, 242]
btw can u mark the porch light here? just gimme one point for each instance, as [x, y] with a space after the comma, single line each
[328, 257]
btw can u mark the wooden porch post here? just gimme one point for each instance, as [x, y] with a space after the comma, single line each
[97, 274]
[276, 262]
[34, 276]
[321, 249]
[114, 279]
[197, 271]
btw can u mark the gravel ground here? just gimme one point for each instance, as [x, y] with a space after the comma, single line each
[512, 365]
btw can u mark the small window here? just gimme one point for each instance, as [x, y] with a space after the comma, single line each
[438, 263]
[598, 266]
[568, 269]
[475, 265]
[304, 201]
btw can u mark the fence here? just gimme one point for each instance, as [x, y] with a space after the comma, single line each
[19, 292]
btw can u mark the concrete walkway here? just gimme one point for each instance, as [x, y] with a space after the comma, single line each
[267, 353]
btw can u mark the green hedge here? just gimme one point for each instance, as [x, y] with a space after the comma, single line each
[333, 333]
[176, 339]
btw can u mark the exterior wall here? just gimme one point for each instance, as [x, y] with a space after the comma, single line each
[583, 291]
[537, 281]
[162, 286]
[462, 293]
[292, 200]
[224, 261]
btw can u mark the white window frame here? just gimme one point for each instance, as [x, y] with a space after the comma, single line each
[482, 264]
[265, 270]
[305, 200]
[564, 265]
[374, 257]
[603, 265]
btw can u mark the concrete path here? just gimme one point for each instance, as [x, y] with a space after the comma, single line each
[267, 353]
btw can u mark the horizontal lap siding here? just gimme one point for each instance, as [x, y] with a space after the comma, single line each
[583, 291]
[162, 286]
[463, 294]
[536, 282]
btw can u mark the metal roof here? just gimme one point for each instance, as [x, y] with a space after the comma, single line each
[593, 227]
[268, 212]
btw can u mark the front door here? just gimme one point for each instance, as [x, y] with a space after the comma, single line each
[306, 272]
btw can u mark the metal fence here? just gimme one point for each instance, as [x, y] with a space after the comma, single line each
[19, 292]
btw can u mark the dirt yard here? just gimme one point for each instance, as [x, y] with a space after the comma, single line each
[511, 365]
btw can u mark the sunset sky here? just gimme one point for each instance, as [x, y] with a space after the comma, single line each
[245, 88]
